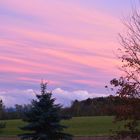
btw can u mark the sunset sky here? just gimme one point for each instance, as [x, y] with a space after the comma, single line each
[71, 44]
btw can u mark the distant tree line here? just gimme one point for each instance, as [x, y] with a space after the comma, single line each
[100, 106]
[16, 112]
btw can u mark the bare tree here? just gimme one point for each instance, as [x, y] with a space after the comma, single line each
[130, 53]
[128, 86]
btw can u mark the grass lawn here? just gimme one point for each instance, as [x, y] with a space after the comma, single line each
[91, 126]
[78, 126]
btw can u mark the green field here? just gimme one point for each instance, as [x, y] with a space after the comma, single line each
[78, 126]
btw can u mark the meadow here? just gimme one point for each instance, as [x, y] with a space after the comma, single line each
[78, 126]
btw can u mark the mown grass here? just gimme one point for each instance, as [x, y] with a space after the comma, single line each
[78, 126]
[92, 126]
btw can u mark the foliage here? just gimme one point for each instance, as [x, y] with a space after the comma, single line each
[128, 110]
[44, 119]
[100, 106]
[128, 86]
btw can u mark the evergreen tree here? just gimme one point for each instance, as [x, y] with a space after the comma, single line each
[44, 118]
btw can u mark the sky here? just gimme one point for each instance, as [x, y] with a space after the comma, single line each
[72, 45]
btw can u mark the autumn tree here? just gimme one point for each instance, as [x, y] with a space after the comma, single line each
[128, 86]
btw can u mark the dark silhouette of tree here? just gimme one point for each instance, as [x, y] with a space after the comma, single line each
[2, 114]
[99, 106]
[128, 109]
[128, 86]
[44, 119]
[19, 110]
[2, 110]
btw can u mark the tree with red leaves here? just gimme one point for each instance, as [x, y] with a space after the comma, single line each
[128, 86]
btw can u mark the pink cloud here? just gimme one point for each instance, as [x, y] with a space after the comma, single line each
[64, 43]
[65, 10]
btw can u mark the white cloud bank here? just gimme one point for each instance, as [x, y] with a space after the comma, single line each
[64, 97]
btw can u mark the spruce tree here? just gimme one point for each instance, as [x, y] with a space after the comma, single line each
[43, 119]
